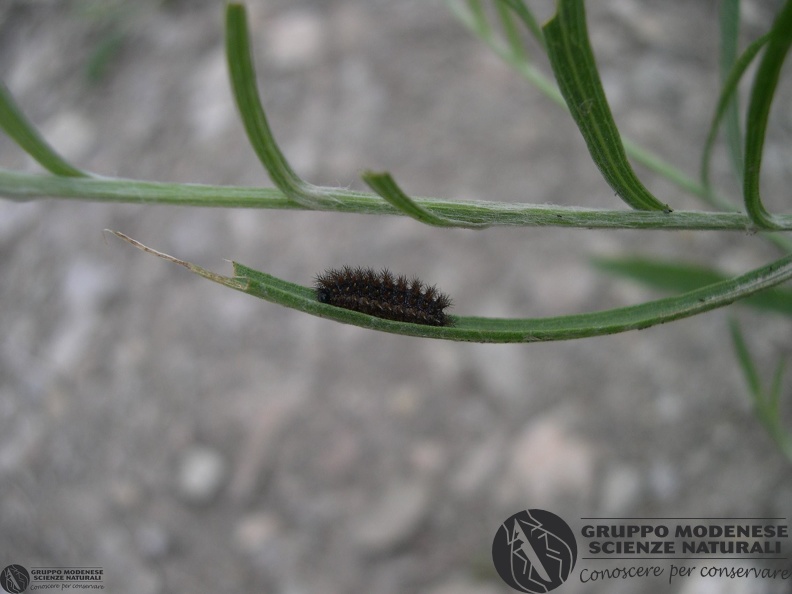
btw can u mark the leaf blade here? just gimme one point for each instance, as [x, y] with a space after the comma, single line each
[239, 56]
[726, 106]
[679, 277]
[729, 35]
[750, 373]
[576, 72]
[384, 185]
[762, 94]
[19, 128]
[502, 330]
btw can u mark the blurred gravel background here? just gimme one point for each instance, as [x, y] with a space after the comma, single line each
[187, 438]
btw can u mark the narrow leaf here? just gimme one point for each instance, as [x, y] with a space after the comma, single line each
[17, 126]
[766, 405]
[244, 86]
[774, 398]
[729, 36]
[575, 70]
[747, 365]
[512, 34]
[678, 278]
[762, 94]
[526, 16]
[384, 185]
[218, 278]
[479, 17]
[504, 330]
[549, 89]
[727, 96]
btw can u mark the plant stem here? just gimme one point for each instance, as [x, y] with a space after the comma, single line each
[25, 186]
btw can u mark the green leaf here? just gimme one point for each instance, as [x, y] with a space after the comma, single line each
[102, 56]
[244, 86]
[767, 406]
[475, 329]
[575, 70]
[16, 125]
[384, 185]
[730, 32]
[474, 18]
[529, 20]
[725, 108]
[678, 278]
[774, 397]
[478, 16]
[549, 89]
[762, 94]
[510, 31]
[746, 364]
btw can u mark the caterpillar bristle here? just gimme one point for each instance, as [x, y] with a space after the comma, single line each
[384, 295]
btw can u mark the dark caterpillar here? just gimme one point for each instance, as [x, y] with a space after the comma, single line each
[383, 295]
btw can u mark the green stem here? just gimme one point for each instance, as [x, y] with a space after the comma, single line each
[25, 186]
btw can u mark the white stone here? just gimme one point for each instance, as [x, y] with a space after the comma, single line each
[201, 474]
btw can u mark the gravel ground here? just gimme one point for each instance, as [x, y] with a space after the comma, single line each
[190, 439]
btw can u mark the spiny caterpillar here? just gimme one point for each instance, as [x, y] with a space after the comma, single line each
[383, 295]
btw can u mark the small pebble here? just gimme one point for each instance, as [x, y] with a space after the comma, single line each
[201, 475]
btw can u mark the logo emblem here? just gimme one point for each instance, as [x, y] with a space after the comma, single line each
[14, 579]
[534, 551]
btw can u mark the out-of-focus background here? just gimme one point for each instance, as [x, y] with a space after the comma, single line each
[187, 438]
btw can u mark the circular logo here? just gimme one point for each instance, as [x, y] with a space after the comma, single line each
[534, 551]
[14, 579]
